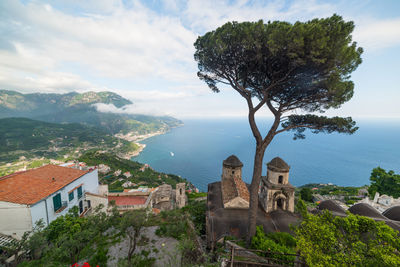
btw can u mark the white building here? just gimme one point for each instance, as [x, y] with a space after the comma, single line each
[43, 193]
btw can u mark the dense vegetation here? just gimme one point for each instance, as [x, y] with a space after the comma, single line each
[331, 189]
[66, 240]
[70, 239]
[148, 176]
[278, 245]
[79, 108]
[326, 240]
[32, 138]
[384, 182]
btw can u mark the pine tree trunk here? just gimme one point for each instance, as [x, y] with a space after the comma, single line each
[255, 182]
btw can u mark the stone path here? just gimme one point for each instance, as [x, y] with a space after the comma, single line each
[164, 249]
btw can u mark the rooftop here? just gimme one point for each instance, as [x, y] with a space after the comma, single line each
[232, 161]
[278, 164]
[128, 200]
[29, 187]
[223, 222]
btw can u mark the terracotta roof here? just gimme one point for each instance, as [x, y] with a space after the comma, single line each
[242, 189]
[128, 200]
[33, 185]
[278, 164]
[232, 188]
[232, 161]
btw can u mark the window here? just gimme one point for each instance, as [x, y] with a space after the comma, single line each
[57, 202]
[71, 196]
[79, 192]
[180, 191]
[280, 179]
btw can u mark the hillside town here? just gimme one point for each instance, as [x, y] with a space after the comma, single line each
[199, 133]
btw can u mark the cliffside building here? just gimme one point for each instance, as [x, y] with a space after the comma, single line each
[235, 193]
[228, 201]
[43, 193]
[275, 190]
[180, 195]
[165, 198]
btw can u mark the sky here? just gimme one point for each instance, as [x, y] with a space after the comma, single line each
[143, 50]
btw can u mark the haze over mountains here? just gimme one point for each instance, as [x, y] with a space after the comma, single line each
[79, 108]
[62, 126]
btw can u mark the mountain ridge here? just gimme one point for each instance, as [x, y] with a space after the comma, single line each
[76, 107]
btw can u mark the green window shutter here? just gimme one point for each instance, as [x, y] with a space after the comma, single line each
[71, 196]
[57, 202]
[79, 192]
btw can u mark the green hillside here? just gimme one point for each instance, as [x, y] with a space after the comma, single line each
[32, 138]
[78, 108]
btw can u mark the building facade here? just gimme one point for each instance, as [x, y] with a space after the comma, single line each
[43, 194]
[275, 190]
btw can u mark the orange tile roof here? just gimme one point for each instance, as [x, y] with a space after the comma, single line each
[232, 188]
[128, 200]
[242, 189]
[33, 185]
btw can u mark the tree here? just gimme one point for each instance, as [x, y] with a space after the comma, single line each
[287, 68]
[326, 240]
[131, 225]
[306, 194]
[31, 242]
[384, 182]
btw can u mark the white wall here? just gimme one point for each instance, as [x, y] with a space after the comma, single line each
[19, 218]
[90, 183]
[14, 218]
[96, 200]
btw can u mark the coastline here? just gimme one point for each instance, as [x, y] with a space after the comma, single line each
[135, 138]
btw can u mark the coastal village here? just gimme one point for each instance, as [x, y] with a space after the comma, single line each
[84, 84]
[50, 191]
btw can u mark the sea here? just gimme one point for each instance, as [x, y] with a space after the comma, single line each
[195, 151]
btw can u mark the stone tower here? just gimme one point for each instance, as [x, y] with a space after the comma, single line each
[276, 193]
[231, 168]
[180, 195]
[235, 193]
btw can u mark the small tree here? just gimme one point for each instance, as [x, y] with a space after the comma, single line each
[287, 68]
[384, 182]
[131, 225]
[306, 194]
[32, 242]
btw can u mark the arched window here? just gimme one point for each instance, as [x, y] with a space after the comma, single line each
[233, 172]
[280, 179]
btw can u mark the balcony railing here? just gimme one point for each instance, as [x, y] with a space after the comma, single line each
[64, 204]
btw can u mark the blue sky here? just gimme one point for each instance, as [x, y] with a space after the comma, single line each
[143, 50]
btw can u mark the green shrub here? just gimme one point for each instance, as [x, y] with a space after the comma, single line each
[283, 238]
[262, 242]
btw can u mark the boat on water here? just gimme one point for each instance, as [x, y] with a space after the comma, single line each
[172, 154]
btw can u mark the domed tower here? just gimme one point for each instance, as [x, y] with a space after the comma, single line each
[235, 193]
[231, 167]
[275, 190]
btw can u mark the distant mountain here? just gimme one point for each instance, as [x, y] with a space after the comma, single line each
[78, 108]
[17, 104]
[32, 138]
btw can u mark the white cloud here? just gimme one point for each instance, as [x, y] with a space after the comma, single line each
[373, 34]
[145, 55]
